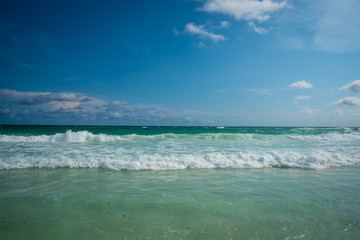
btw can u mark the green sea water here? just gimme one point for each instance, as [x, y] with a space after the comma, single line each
[179, 183]
[181, 204]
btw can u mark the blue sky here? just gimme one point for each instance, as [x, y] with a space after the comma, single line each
[180, 62]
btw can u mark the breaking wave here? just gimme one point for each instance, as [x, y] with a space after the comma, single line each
[133, 160]
[85, 136]
[170, 151]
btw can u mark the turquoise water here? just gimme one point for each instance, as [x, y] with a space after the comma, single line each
[179, 183]
[173, 148]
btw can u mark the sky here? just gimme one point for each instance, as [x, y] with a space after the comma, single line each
[180, 62]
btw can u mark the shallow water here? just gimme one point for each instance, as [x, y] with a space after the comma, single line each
[61, 182]
[64, 203]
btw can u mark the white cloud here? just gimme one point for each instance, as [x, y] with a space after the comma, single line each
[308, 110]
[348, 101]
[300, 98]
[244, 9]
[259, 30]
[248, 10]
[353, 86]
[300, 84]
[201, 31]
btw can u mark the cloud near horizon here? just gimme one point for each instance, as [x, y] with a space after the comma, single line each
[73, 108]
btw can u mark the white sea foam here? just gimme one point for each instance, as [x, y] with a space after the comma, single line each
[68, 136]
[328, 137]
[164, 159]
[85, 136]
[179, 151]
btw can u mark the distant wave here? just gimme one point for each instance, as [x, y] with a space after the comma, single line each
[85, 136]
[68, 136]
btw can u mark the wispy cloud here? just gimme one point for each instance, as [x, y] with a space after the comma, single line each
[348, 101]
[25, 65]
[308, 110]
[260, 91]
[300, 84]
[202, 32]
[201, 45]
[353, 86]
[259, 30]
[176, 32]
[16, 43]
[223, 24]
[9, 95]
[301, 98]
[346, 113]
[338, 112]
[71, 79]
[323, 25]
[338, 26]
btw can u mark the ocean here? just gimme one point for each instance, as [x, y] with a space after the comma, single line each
[96, 182]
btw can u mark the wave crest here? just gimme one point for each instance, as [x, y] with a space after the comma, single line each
[122, 160]
[68, 136]
[85, 136]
